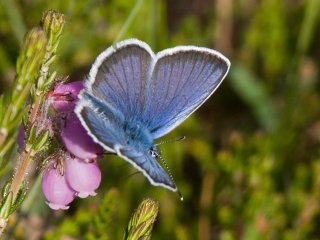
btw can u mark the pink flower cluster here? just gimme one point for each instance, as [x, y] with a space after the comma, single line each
[77, 173]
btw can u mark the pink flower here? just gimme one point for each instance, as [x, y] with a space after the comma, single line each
[82, 177]
[65, 96]
[56, 189]
[77, 140]
[81, 174]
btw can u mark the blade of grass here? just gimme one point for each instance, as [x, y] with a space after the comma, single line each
[128, 21]
[306, 33]
[308, 26]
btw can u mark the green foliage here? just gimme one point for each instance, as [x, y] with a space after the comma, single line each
[249, 168]
[92, 221]
[13, 102]
[266, 38]
[141, 223]
[32, 76]
[254, 93]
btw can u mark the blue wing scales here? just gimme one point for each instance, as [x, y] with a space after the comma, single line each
[149, 167]
[131, 84]
[182, 79]
[119, 76]
[106, 126]
[103, 123]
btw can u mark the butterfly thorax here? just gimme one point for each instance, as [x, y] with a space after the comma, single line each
[137, 135]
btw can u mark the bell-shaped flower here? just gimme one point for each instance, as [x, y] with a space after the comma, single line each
[56, 189]
[77, 141]
[83, 177]
[64, 96]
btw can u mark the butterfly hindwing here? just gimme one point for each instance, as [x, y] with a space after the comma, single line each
[106, 126]
[145, 163]
[103, 123]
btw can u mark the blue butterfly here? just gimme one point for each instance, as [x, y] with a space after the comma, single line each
[134, 96]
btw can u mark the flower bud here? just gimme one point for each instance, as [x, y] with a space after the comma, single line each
[52, 22]
[65, 96]
[83, 177]
[77, 140]
[56, 189]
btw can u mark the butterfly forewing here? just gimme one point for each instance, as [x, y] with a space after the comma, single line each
[119, 76]
[182, 79]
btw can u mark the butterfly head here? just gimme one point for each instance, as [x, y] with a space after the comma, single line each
[154, 152]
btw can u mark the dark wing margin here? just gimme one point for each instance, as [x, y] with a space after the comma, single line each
[120, 74]
[182, 79]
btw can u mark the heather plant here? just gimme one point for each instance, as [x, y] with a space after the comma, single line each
[249, 167]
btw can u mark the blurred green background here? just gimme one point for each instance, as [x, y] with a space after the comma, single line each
[250, 165]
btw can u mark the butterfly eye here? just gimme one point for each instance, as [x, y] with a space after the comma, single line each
[154, 153]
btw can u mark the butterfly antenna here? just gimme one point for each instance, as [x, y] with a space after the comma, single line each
[171, 140]
[170, 174]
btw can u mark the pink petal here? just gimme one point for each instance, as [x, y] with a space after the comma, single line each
[82, 177]
[56, 190]
[77, 140]
[65, 96]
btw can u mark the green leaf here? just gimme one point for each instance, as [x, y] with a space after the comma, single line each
[21, 195]
[6, 205]
[41, 142]
[5, 190]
